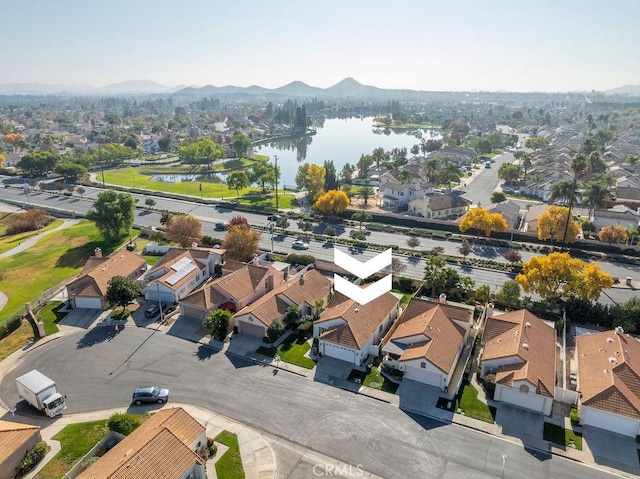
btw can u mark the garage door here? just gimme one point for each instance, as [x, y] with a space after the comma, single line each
[88, 303]
[527, 401]
[423, 376]
[338, 352]
[251, 329]
[192, 312]
[611, 422]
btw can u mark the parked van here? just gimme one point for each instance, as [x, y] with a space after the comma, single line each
[487, 164]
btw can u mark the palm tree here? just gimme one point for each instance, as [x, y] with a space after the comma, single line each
[405, 177]
[431, 170]
[365, 193]
[562, 190]
[450, 172]
[378, 155]
[595, 195]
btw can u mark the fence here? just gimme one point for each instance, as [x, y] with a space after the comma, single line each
[565, 395]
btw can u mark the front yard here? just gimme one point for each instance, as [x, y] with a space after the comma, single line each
[562, 436]
[472, 407]
[373, 379]
[50, 315]
[229, 466]
[292, 350]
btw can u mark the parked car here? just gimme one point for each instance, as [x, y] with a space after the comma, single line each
[273, 218]
[487, 164]
[508, 189]
[300, 244]
[220, 226]
[152, 310]
[150, 394]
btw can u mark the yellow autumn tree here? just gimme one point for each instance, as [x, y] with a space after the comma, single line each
[552, 225]
[333, 201]
[558, 275]
[481, 220]
[613, 234]
[2, 160]
[315, 180]
[13, 138]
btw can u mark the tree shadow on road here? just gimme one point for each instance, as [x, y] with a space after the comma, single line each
[486, 251]
[205, 352]
[95, 336]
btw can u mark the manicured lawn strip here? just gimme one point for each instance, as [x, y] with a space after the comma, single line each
[16, 340]
[373, 376]
[291, 350]
[562, 436]
[10, 242]
[75, 441]
[473, 407]
[53, 259]
[229, 466]
[50, 315]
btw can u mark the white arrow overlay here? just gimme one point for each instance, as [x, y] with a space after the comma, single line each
[362, 295]
[362, 270]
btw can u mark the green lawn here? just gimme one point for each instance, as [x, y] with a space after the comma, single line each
[16, 340]
[291, 350]
[75, 441]
[141, 178]
[473, 407]
[50, 315]
[56, 257]
[229, 466]
[373, 379]
[10, 242]
[562, 436]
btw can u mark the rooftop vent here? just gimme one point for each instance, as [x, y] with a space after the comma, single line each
[619, 330]
[356, 310]
[527, 324]
[525, 345]
[613, 360]
[609, 340]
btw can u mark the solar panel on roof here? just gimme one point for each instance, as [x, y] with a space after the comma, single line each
[182, 268]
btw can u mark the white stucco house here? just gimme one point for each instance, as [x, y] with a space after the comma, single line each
[427, 340]
[520, 349]
[609, 381]
[352, 332]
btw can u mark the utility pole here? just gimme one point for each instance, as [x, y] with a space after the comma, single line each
[276, 167]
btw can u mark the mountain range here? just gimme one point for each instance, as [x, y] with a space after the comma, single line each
[349, 87]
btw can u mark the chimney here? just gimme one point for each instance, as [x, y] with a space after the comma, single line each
[619, 330]
[97, 253]
[194, 245]
[490, 310]
[302, 278]
[443, 298]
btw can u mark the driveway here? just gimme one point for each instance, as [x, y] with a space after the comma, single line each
[419, 397]
[82, 318]
[518, 422]
[611, 449]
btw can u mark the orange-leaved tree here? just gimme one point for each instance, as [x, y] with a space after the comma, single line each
[481, 220]
[552, 225]
[333, 201]
[613, 234]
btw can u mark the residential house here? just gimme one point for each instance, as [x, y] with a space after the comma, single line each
[428, 339]
[455, 154]
[609, 381]
[89, 289]
[520, 349]
[439, 206]
[352, 332]
[304, 291]
[169, 444]
[530, 222]
[181, 271]
[617, 215]
[510, 211]
[234, 290]
[397, 193]
[16, 440]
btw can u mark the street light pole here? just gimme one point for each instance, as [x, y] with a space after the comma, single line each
[504, 461]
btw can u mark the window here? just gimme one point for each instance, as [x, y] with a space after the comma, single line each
[524, 389]
[423, 365]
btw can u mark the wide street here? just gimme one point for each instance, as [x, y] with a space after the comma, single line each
[209, 215]
[97, 370]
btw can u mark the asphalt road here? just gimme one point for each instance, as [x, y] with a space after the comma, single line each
[97, 371]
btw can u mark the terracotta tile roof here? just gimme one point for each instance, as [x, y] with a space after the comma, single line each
[271, 306]
[361, 321]
[522, 335]
[13, 436]
[609, 372]
[95, 276]
[158, 448]
[439, 336]
[205, 297]
[242, 282]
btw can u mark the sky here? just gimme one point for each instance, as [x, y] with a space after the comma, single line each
[443, 45]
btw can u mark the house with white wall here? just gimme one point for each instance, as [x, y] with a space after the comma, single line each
[352, 332]
[520, 350]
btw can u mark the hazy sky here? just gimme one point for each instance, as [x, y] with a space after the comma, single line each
[517, 45]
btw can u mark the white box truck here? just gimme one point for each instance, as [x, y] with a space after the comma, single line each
[40, 391]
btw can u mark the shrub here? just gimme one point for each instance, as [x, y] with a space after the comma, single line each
[275, 330]
[10, 326]
[305, 329]
[455, 296]
[303, 259]
[575, 418]
[123, 423]
[32, 457]
[86, 464]
[208, 241]
[406, 283]
[30, 221]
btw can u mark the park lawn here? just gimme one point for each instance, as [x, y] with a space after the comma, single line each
[75, 441]
[10, 242]
[373, 379]
[50, 315]
[292, 350]
[473, 407]
[16, 340]
[229, 466]
[53, 259]
[562, 436]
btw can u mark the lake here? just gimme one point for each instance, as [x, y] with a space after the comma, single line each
[340, 140]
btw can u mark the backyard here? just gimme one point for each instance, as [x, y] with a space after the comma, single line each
[291, 350]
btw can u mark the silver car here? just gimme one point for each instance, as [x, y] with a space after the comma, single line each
[150, 394]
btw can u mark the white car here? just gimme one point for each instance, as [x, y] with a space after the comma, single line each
[300, 244]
